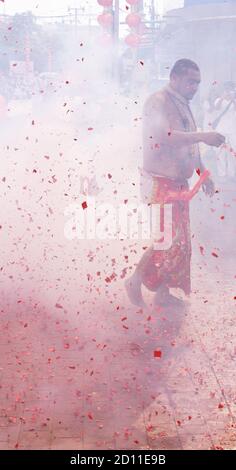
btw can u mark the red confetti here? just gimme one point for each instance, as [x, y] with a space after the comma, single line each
[198, 171]
[90, 416]
[149, 427]
[58, 306]
[110, 278]
[215, 254]
[84, 205]
[220, 406]
[157, 353]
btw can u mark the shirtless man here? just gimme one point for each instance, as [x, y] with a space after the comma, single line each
[170, 156]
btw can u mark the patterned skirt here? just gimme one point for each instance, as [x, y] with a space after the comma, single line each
[172, 266]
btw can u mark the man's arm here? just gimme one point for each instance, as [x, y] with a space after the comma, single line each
[179, 138]
[156, 124]
[207, 185]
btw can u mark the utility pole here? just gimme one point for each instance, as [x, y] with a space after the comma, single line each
[153, 27]
[76, 16]
[116, 21]
[137, 7]
[153, 14]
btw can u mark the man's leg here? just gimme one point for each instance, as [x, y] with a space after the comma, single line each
[134, 283]
[133, 288]
[164, 297]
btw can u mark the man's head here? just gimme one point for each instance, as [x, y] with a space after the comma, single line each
[185, 78]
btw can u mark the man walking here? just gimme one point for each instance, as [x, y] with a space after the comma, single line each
[170, 156]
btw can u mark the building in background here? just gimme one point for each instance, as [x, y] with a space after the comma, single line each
[203, 32]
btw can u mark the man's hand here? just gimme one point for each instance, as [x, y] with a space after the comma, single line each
[208, 187]
[214, 139]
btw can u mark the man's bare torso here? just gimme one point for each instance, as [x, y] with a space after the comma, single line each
[160, 117]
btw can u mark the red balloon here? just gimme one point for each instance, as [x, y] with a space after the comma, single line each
[105, 3]
[105, 20]
[133, 20]
[132, 2]
[133, 40]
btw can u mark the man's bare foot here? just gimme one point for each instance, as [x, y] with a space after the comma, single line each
[163, 297]
[134, 292]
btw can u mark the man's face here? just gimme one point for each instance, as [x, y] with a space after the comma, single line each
[187, 84]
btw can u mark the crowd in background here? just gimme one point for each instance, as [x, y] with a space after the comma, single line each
[219, 113]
